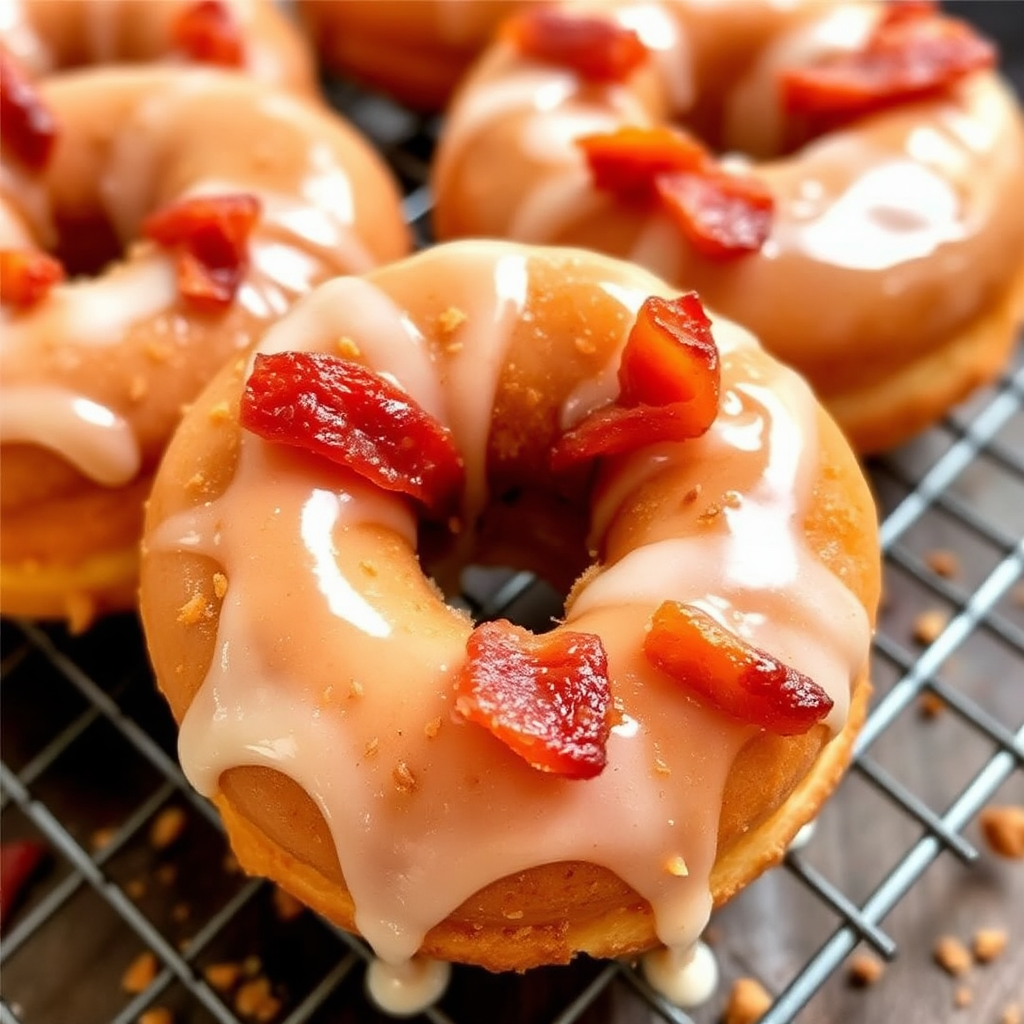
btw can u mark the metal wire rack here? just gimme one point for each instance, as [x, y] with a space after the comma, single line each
[88, 763]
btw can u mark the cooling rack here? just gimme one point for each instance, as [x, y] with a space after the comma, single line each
[88, 766]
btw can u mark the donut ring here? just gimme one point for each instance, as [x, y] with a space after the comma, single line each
[94, 376]
[285, 609]
[45, 36]
[415, 52]
[893, 273]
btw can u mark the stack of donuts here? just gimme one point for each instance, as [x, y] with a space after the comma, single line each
[693, 258]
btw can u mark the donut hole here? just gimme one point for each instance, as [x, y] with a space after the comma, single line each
[86, 245]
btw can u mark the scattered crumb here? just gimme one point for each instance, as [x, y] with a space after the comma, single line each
[100, 839]
[180, 912]
[369, 567]
[166, 874]
[660, 767]
[952, 956]
[943, 563]
[223, 977]
[748, 1001]
[928, 625]
[962, 997]
[1003, 829]
[136, 889]
[989, 943]
[514, 915]
[692, 494]
[355, 688]
[432, 728]
[403, 778]
[865, 970]
[732, 499]
[196, 483]
[156, 1015]
[138, 388]
[139, 974]
[348, 348]
[192, 610]
[251, 966]
[1012, 1014]
[80, 610]
[371, 748]
[220, 585]
[286, 906]
[184, 943]
[220, 413]
[711, 512]
[451, 320]
[930, 704]
[676, 865]
[167, 828]
[255, 1000]
[584, 346]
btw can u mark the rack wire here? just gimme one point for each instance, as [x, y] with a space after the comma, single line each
[88, 763]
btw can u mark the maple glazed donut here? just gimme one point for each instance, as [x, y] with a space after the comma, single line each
[255, 36]
[414, 50]
[488, 402]
[187, 209]
[865, 222]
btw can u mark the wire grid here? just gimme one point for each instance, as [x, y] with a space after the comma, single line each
[107, 670]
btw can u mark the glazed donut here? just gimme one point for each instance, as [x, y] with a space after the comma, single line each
[885, 256]
[287, 614]
[414, 50]
[46, 36]
[94, 372]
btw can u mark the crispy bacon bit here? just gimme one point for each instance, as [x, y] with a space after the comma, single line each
[355, 418]
[547, 698]
[669, 380]
[26, 277]
[207, 33]
[913, 53]
[595, 47]
[722, 214]
[26, 124]
[722, 670]
[210, 234]
[18, 862]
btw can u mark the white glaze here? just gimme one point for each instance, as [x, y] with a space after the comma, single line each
[684, 977]
[404, 990]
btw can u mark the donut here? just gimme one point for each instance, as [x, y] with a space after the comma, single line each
[863, 221]
[46, 36]
[414, 51]
[189, 208]
[484, 794]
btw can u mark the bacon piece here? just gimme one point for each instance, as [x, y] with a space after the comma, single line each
[720, 669]
[669, 380]
[355, 418]
[26, 277]
[18, 862]
[596, 47]
[912, 54]
[26, 124]
[547, 698]
[208, 33]
[723, 215]
[210, 234]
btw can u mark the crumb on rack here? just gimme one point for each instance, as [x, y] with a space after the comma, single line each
[101, 837]
[135, 888]
[167, 828]
[403, 778]
[252, 965]
[432, 728]
[223, 976]
[962, 997]
[166, 874]
[347, 348]
[989, 943]
[286, 906]
[929, 624]
[1003, 829]
[180, 912]
[930, 704]
[156, 1015]
[255, 1000]
[193, 610]
[952, 956]
[139, 974]
[220, 585]
[865, 970]
[748, 1002]
[219, 413]
[450, 321]
[943, 562]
